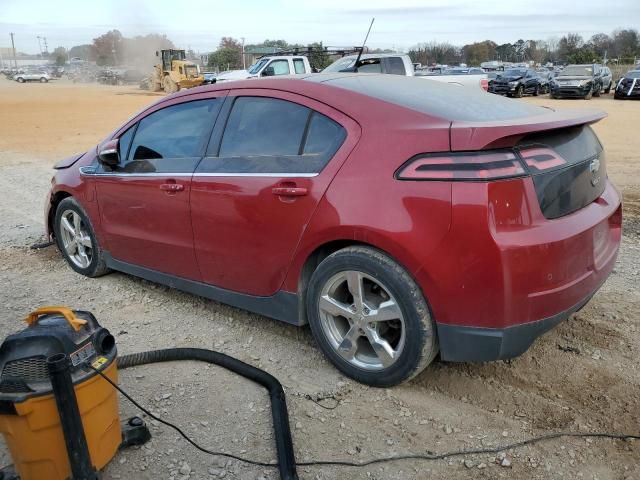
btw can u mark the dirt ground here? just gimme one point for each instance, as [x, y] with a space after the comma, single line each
[582, 376]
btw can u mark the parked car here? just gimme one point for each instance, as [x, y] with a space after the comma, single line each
[516, 82]
[628, 86]
[270, 66]
[464, 71]
[607, 79]
[400, 64]
[209, 78]
[266, 195]
[32, 76]
[546, 76]
[582, 81]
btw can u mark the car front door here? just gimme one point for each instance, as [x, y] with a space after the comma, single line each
[271, 157]
[144, 201]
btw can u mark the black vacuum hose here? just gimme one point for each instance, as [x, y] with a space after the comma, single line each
[280, 415]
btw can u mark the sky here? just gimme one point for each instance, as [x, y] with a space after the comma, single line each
[399, 24]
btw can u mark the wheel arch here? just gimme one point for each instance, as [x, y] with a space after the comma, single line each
[56, 198]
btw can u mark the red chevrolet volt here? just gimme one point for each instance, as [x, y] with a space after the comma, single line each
[399, 217]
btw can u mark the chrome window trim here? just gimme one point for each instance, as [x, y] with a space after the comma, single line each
[90, 171]
[279, 175]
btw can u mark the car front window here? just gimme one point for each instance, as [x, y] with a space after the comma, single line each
[255, 68]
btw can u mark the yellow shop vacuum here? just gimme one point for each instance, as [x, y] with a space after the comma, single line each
[59, 418]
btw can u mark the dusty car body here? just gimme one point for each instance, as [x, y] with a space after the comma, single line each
[399, 218]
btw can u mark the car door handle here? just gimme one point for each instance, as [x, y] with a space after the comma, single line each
[289, 191]
[171, 187]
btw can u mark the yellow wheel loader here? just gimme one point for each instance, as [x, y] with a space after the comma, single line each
[174, 72]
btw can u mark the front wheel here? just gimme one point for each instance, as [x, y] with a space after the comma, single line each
[536, 91]
[77, 241]
[588, 95]
[370, 318]
[519, 91]
[43, 80]
[608, 89]
[20, 80]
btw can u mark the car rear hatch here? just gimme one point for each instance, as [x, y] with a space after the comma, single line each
[559, 150]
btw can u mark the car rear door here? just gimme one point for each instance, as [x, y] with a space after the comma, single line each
[270, 160]
[144, 202]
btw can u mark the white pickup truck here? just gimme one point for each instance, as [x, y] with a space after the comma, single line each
[400, 64]
[269, 67]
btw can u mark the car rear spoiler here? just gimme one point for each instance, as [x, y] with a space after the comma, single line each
[504, 133]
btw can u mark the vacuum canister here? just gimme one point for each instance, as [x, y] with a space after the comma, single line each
[29, 417]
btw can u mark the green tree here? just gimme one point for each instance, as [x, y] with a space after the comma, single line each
[85, 52]
[228, 56]
[109, 48]
[59, 56]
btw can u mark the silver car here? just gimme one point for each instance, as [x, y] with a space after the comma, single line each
[32, 76]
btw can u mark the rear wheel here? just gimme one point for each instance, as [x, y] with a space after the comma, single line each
[20, 80]
[77, 241]
[43, 80]
[370, 318]
[536, 91]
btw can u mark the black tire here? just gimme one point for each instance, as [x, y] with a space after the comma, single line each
[536, 91]
[43, 80]
[519, 91]
[588, 95]
[420, 343]
[20, 80]
[608, 89]
[596, 92]
[97, 267]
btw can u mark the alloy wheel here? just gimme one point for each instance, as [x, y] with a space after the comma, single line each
[362, 321]
[76, 240]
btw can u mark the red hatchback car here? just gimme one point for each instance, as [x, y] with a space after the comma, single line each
[397, 216]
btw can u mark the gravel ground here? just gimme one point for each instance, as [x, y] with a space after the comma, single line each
[582, 376]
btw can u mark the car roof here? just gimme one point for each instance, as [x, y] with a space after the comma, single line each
[348, 92]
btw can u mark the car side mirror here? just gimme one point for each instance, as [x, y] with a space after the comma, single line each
[268, 72]
[108, 154]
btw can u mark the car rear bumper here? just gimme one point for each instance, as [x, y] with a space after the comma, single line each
[506, 274]
[472, 344]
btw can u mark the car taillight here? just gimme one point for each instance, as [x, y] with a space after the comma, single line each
[469, 166]
[484, 83]
[541, 158]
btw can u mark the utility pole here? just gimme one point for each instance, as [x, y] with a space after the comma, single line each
[46, 48]
[39, 45]
[244, 63]
[13, 47]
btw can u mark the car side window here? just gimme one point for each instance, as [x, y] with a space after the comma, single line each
[372, 65]
[395, 66]
[298, 65]
[169, 140]
[269, 135]
[280, 67]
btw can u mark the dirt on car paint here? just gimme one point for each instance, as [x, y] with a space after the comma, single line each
[582, 376]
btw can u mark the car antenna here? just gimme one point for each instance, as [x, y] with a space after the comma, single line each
[357, 64]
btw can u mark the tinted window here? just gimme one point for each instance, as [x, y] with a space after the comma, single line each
[370, 66]
[263, 126]
[166, 136]
[268, 135]
[298, 65]
[124, 142]
[395, 66]
[324, 137]
[280, 67]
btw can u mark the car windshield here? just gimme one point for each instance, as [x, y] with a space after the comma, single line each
[456, 71]
[255, 68]
[514, 72]
[341, 64]
[633, 74]
[577, 71]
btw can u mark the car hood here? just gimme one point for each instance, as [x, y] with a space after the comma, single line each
[69, 161]
[233, 75]
[510, 78]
